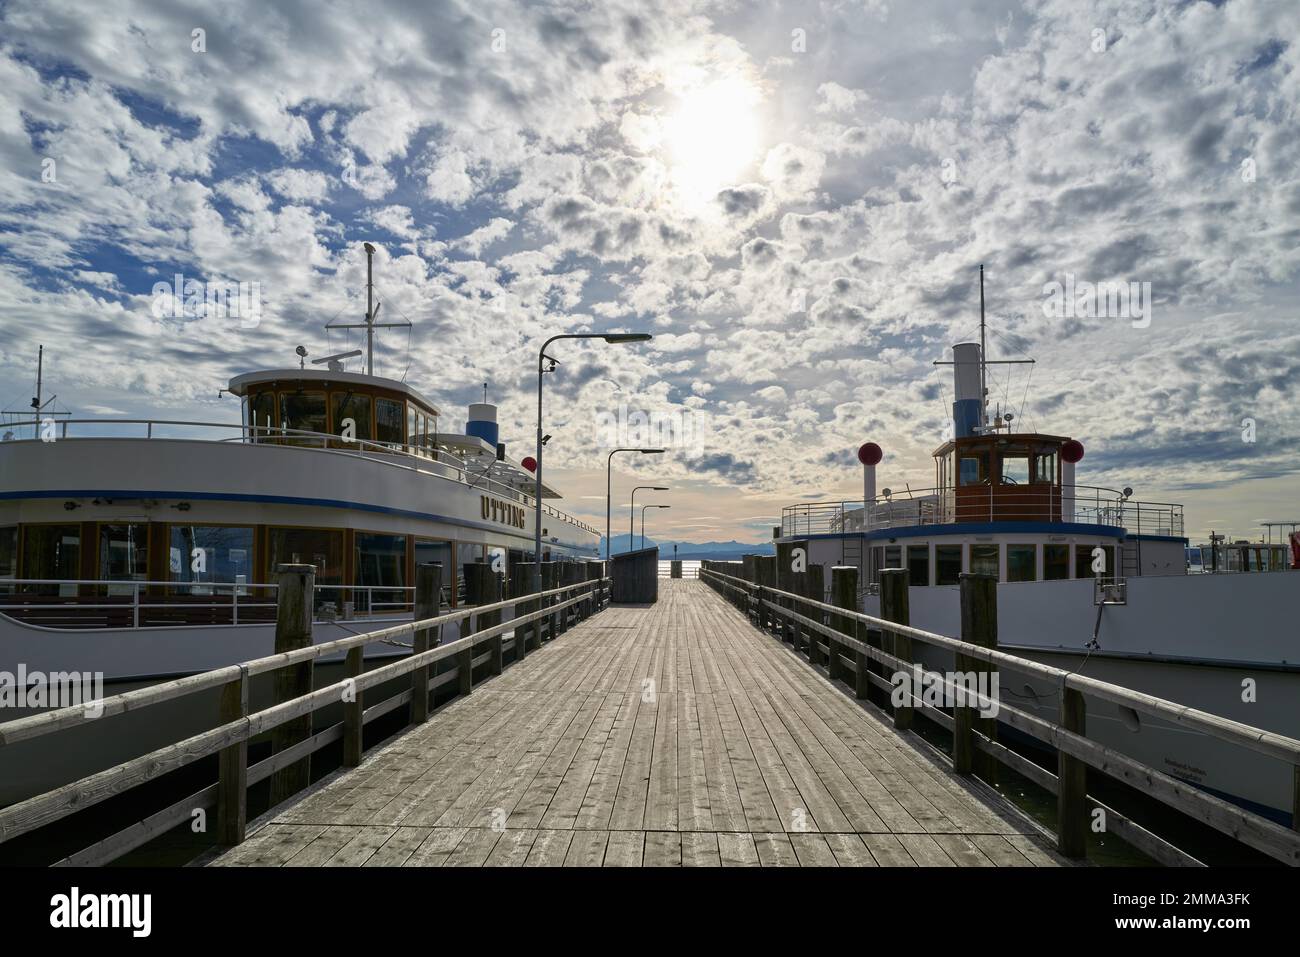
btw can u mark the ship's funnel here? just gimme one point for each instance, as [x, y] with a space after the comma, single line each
[483, 422]
[968, 409]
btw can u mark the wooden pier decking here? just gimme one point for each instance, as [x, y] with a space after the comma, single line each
[675, 734]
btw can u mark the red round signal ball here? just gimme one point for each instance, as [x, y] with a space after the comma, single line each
[529, 463]
[870, 454]
[1072, 451]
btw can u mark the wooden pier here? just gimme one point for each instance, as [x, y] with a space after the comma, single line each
[674, 734]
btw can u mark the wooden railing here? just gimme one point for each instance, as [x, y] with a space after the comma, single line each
[866, 651]
[548, 614]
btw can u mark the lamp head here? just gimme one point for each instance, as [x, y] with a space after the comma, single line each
[617, 337]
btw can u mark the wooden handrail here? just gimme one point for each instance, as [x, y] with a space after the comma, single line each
[1241, 825]
[52, 806]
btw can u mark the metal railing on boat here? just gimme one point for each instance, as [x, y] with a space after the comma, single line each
[427, 461]
[1080, 504]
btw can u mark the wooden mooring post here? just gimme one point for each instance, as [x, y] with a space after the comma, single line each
[428, 601]
[232, 765]
[815, 588]
[894, 607]
[844, 594]
[293, 616]
[484, 586]
[1072, 782]
[979, 626]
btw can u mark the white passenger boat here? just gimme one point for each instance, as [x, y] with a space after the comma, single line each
[1090, 580]
[136, 550]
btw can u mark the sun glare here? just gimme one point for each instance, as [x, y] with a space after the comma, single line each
[712, 138]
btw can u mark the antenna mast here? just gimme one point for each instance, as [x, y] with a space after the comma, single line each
[40, 368]
[372, 312]
[984, 388]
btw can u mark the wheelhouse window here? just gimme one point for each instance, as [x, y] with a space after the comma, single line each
[262, 410]
[210, 559]
[1015, 466]
[355, 406]
[388, 421]
[123, 555]
[303, 412]
[984, 560]
[1056, 562]
[947, 564]
[1022, 563]
[918, 564]
[1045, 468]
[893, 556]
[379, 562]
[973, 467]
[52, 551]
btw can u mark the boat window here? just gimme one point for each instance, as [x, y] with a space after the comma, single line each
[1056, 562]
[388, 421]
[263, 412]
[354, 406]
[412, 427]
[204, 556]
[893, 556]
[303, 412]
[322, 547]
[878, 562]
[984, 560]
[947, 564]
[1083, 562]
[431, 438]
[52, 551]
[1022, 563]
[974, 467]
[1015, 467]
[428, 550]
[1045, 468]
[379, 563]
[123, 555]
[918, 564]
[8, 556]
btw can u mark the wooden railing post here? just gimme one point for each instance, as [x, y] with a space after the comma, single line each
[232, 789]
[844, 594]
[548, 582]
[1072, 782]
[293, 618]
[465, 660]
[814, 588]
[979, 626]
[894, 607]
[428, 601]
[353, 726]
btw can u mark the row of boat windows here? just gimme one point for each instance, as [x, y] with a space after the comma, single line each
[219, 559]
[370, 418]
[942, 564]
[1011, 465]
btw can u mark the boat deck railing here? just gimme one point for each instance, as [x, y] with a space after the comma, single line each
[90, 603]
[433, 462]
[1081, 504]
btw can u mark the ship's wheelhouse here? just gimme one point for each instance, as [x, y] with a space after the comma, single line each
[989, 478]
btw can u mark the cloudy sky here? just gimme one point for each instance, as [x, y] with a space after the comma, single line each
[793, 197]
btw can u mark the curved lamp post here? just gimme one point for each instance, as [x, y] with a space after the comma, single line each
[631, 511]
[643, 508]
[542, 358]
[609, 489]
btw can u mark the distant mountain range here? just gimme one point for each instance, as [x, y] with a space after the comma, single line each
[713, 551]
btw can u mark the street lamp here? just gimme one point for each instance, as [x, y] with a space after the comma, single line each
[643, 508]
[631, 511]
[542, 358]
[609, 489]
